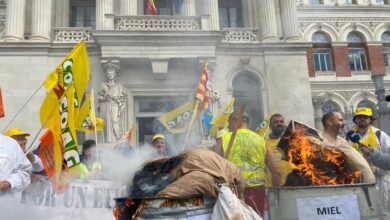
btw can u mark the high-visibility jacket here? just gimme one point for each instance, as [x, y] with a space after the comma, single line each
[84, 171]
[248, 153]
[283, 166]
[369, 139]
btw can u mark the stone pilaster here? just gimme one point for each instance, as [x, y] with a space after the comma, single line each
[188, 8]
[41, 20]
[15, 20]
[318, 102]
[289, 19]
[128, 7]
[267, 21]
[62, 8]
[210, 7]
[104, 7]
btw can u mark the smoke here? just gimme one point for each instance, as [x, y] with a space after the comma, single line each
[119, 164]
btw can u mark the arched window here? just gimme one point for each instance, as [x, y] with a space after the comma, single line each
[367, 104]
[386, 48]
[83, 13]
[230, 13]
[330, 106]
[357, 52]
[246, 90]
[322, 53]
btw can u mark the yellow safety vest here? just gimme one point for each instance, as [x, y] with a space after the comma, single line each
[248, 153]
[371, 140]
[284, 166]
[84, 172]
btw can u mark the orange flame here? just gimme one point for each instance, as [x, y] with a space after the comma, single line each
[318, 164]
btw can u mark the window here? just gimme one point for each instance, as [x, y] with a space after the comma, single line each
[330, 106]
[386, 37]
[83, 14]
[164, 7]
[350, 2]
[322, 59]
[322, 55]
[357, 52]
[386, 54]
[230, 13]
[315, 2]
[380, 2]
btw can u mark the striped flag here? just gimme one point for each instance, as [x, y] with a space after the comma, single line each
[151, 8]
[202, 94]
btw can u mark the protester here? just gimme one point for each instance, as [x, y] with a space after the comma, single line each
[90, 168]
[378, 158]
[250, 154]
[277, 127]
[374, 138]
[15, 168]
[20, 136]
[158, 142]
[334, 123]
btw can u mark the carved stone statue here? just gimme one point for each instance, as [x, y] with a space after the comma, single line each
[112, 105]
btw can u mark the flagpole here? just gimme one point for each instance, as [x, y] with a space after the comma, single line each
[191, 123]
[95, 125]
[31, 148]
[22, 107]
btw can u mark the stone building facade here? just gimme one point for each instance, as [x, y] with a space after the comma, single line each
[260, 52]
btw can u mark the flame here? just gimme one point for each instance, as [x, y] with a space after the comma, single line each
[318, 164]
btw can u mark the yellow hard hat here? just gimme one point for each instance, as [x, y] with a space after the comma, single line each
[363, 111]
[158, 136]
[16, 132]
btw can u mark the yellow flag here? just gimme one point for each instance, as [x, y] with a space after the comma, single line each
[86, 120]
[263, 129]
[74, 69]
[221, 121]
[177, 120]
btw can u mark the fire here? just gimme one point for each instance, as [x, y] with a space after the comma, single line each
[318, 165]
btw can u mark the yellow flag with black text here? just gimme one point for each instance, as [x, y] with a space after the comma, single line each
[221, 121]
[86, 120]
[177, 120]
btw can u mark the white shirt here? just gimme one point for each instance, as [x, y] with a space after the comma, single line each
[14, 165]
[384, 141]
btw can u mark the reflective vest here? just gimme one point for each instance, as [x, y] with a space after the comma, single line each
[84, 171]
[248, 153]
[284, 166]
[371, 139]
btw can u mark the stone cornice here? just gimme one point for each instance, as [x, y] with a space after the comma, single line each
[159, 38]
[343, 19]
[41, 49]
[323, 9]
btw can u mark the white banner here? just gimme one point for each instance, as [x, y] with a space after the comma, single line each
[81, 194]
[344, 207]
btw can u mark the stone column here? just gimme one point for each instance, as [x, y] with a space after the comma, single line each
[318, 102]
[289, 19]
[104, 7]
[14, 29]
[128, 7]
[188, 8]
[62, 8]
[210, 7]
[41, 20]
[267, 21]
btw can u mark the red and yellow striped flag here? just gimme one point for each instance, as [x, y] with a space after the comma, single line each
[151, 8]
[202, 94]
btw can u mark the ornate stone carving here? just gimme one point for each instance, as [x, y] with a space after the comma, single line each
[72, 34]
[240, 35]
[157, 23]
[346, 94]
[112, 103]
